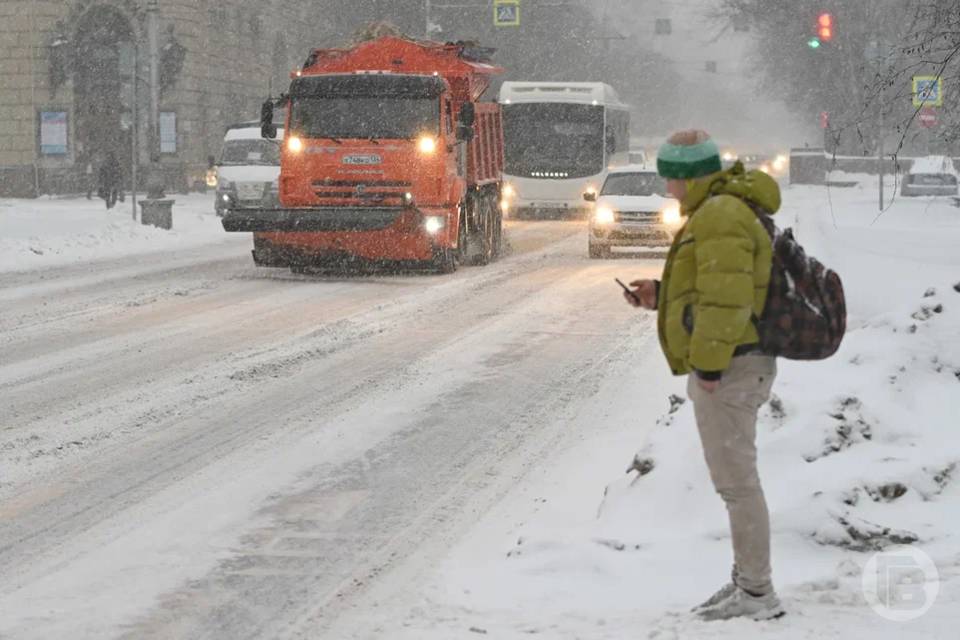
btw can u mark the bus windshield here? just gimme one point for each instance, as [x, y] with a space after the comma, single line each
[556, 139]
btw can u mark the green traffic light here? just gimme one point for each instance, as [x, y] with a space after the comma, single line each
[813, 43]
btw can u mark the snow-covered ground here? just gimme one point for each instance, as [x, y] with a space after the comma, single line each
[858, 454]
[50, 232]
[191, 446]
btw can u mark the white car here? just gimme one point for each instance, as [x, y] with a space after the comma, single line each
[632, 209]
[248, 169]
[930, 176]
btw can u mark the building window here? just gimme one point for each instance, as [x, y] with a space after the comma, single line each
[741, 26]
[662, 27]
[711, 66]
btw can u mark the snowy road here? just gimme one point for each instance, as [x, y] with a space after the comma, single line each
[194, 447]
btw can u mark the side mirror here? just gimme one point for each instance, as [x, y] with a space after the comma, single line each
[211, 162]
[468, 114]
[267, 128]
[590, 196]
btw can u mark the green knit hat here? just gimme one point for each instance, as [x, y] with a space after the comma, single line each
[685, 161]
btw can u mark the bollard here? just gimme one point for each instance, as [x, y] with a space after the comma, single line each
[158, 213]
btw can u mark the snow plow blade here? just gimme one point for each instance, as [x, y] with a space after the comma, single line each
[312, 219]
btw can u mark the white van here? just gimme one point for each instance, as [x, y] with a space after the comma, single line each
[248, 169]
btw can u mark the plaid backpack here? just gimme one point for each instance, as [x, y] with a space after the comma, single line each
[806, 313]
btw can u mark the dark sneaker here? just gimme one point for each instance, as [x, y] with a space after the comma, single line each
[741, 604]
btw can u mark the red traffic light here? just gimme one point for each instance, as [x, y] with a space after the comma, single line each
[825, 27]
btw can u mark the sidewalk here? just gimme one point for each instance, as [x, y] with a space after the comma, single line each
[55, 231]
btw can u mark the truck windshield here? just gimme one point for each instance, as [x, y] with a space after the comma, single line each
[553, 138]
[365, 117]
[634, 184]
[246, 152]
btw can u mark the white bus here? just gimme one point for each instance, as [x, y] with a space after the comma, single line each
[560, 138]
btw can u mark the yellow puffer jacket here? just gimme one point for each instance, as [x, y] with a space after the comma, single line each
[717, 271]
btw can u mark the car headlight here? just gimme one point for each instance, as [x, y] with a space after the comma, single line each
[670, 215]
[604, 215]
[433, 224]
[426, 145]
[211, 177]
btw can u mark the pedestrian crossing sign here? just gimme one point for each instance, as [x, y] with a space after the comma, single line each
[927, 91]
[506, 13]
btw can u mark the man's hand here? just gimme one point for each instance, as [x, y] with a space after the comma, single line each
[645, 291]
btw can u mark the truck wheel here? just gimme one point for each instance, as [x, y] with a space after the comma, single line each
[462, 252]
[445, 260]
[486, 234]
[497, 233]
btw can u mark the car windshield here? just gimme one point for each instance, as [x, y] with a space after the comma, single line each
[634, 184]
[250, 152]
[553, 138]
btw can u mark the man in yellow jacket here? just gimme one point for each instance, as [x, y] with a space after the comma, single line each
[714, 286]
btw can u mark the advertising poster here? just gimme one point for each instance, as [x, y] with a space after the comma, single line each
[53, 133]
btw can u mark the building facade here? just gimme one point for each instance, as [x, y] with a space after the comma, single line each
[75, 83]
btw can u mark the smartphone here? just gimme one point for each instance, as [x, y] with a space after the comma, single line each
[629, 291]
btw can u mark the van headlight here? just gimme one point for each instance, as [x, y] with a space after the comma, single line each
[604, 215]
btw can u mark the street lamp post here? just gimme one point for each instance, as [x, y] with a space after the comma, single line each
[154, 178]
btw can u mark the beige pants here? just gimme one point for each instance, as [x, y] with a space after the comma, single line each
[727, 421]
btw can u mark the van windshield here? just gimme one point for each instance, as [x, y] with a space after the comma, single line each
[250, 152]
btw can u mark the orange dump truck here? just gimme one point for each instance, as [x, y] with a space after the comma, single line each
[388, 157]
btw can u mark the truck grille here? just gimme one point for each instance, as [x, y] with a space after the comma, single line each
[388, 192]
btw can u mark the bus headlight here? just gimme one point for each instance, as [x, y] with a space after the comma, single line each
[670, 215]
[426, 145]
[294, 144]
[604, 215]
[590, 190]
[433, 224]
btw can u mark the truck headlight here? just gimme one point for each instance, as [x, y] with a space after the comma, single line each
[426, 145]
[670, 215]
[433, 224]
[604, 215]
[294, 144]
[408, 199]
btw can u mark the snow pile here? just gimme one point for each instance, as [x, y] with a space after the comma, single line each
[56, 231]
[858, 454]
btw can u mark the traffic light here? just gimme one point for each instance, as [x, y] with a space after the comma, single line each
[825, 27]
[813, 43]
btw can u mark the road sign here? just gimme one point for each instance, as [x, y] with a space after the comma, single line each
[927, 91]
[506, 13]
[928, 117]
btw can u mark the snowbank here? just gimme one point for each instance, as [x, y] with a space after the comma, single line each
[50, 232]
[859, 453]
